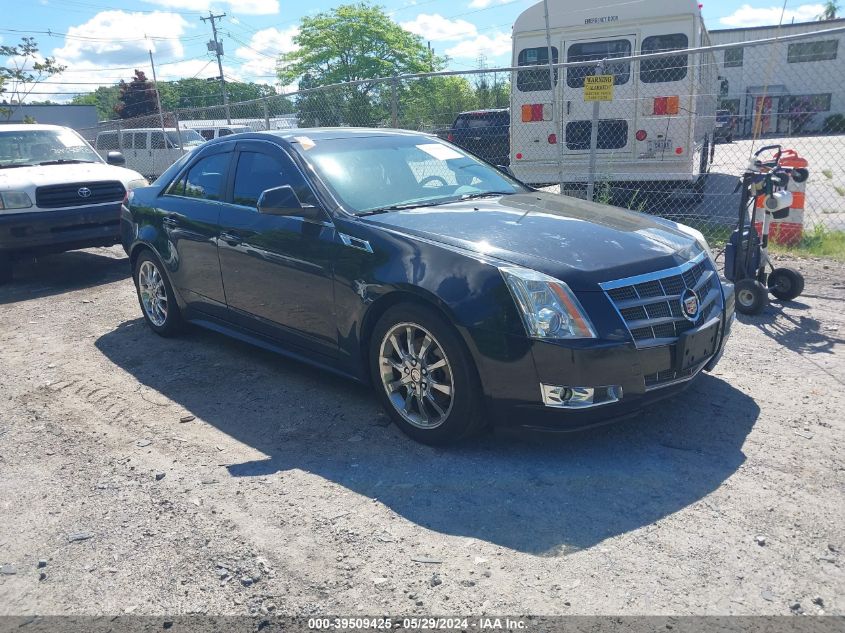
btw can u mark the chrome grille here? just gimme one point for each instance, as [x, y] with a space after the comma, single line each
[650, 304]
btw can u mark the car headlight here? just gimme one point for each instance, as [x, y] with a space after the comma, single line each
[134, 184]
[698, 236]
[14, 200]
[548, 307]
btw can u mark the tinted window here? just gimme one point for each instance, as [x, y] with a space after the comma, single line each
[257, 172]
[812, 51]
[588, 51]
[224, 132]
[207, 134]
[532, 80]
[207, 177]
[612, 134]
[662, 69]
[107, 141]
[478, 120]
[140, 141]
[157, 140]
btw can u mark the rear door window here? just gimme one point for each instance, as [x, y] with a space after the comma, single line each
[589, 51]
[663, 69]
[538, 79]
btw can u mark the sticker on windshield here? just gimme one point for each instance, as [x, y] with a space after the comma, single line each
[306, 142]
[440, 152]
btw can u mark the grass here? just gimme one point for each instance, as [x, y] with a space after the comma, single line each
[828, 173]
[820, 242]
[839, 190]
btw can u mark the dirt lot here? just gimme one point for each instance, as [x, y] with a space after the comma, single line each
[288, 491]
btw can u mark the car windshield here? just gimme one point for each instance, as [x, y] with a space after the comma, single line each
[34, 147]
[377, 173]
[189, 137]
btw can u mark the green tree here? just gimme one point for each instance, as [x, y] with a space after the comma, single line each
[434, 102]
[104, 97]
[137, 98]
[830, 11]
[21, 70]
[349, 43]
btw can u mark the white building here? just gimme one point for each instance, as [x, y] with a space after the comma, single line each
[796, 85]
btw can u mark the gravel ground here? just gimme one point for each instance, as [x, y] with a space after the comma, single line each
[198, 474]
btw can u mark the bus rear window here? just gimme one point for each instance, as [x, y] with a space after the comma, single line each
[533, 80]
[663, 69]
[588, 51]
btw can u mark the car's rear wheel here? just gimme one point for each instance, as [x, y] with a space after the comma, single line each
[424, 376]
[155, 295]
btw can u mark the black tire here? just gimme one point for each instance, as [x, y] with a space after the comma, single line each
[171, 323]
[7, 268]
[786, 283]
[457, 419]
[752, 297]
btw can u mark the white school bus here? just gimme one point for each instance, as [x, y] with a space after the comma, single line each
[657, 131]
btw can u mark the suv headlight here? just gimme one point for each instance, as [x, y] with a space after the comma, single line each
[134, 184]
[548, 307]
[14, 200]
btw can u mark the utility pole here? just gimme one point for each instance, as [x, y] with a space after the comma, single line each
[217, 47]
[158, 101]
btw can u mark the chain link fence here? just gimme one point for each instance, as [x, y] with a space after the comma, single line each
[666, 133]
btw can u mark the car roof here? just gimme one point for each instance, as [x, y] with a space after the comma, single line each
[23, 127]
[319, 134]
[488, 111]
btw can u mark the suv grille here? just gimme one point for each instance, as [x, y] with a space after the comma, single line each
[651, 306]
[67, 195]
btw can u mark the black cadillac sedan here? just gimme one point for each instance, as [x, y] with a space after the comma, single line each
[392, 257]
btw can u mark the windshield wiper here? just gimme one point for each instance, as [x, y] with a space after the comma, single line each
[399, 207]
[11, 165]
[486, 194]
[65, 161]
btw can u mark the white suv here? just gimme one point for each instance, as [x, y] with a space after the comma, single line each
[56, 193]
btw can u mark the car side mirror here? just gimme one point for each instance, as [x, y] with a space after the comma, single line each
[116, 158]
[283, 201]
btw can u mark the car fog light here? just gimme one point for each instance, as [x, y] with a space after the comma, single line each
[563, 397]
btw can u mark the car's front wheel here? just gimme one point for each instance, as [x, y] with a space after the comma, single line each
[155, 295]
[424, 376]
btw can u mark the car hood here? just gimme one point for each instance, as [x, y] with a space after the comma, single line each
[28, 178]
[580, 242]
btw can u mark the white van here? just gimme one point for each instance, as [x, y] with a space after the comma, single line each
[210, 132]
[659, 125]
[147, 150]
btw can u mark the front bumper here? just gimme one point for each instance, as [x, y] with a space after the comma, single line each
[60, 230]
[639, 377]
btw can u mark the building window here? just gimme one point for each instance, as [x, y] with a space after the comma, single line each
[733, 57]
[812, 51]
[538, 79]
[731, 105]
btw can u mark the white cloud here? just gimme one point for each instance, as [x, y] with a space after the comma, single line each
[499, 44]
[437, 28]
[746, 15]
[244, 7]
[117, 38]
[483, 4]
[259, 58]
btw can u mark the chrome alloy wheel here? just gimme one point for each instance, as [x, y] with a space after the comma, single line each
[416, 375]
[153, 293]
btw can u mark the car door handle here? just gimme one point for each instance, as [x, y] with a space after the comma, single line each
[169, 222]
[231, 240]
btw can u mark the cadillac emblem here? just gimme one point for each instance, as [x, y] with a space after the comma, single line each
[689, 304]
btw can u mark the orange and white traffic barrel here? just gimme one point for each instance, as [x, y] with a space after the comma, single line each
[790, 229]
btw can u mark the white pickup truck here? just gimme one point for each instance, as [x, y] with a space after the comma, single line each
[56, 193]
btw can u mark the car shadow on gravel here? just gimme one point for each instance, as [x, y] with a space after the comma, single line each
[796, 332]
[538, 493]
[64, 272]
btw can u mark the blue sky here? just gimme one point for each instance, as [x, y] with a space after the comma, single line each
[101, 41]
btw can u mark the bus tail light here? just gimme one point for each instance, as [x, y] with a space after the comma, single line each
[553, 139]
[667, 105]
[641, 135]
[532, 112]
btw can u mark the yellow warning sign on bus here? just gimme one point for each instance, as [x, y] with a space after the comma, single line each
[598, 88]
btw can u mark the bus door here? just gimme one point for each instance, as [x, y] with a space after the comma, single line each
[617, 118]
